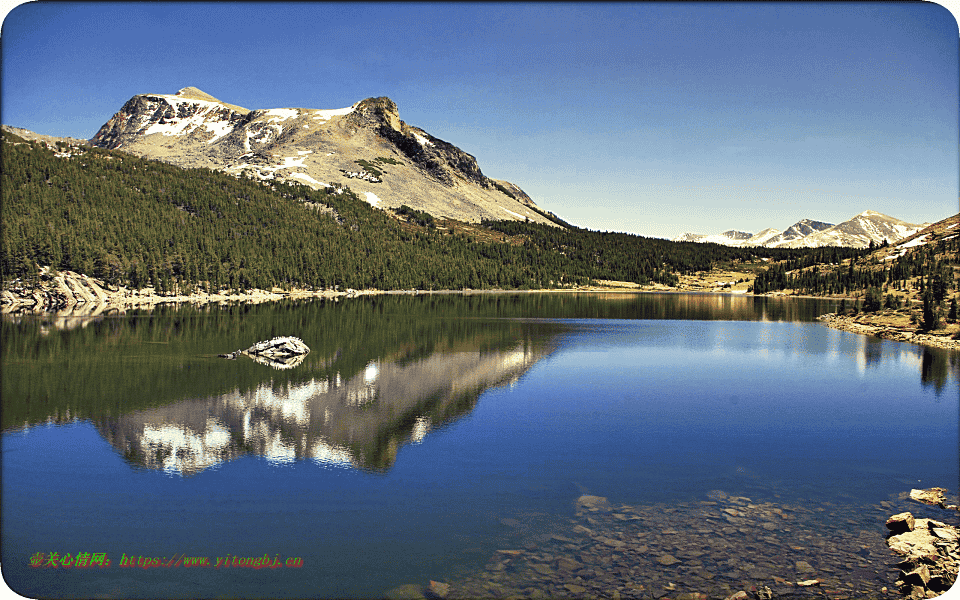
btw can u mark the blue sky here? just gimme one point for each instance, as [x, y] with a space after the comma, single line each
[649, 118]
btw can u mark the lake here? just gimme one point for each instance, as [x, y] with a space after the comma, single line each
[561, 444]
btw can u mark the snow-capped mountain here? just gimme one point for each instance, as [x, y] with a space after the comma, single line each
[365, 146]
[797, 231]
[857, 232]
[728, 238]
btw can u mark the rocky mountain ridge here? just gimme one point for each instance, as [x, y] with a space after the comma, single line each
[857, 232]
[366, 146]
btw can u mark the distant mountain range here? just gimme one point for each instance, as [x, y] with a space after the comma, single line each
[857, 232]
[366, 146]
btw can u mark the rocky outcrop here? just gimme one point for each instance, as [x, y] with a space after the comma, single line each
[73, 294]
[285, 352]
[930, 548]
[55, 290]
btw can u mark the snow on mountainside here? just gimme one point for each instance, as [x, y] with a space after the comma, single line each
[728, 238]
[797, 231]
[365, 146]
[947, 229]
[856, 232]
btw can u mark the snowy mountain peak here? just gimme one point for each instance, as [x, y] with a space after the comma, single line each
[857, 232]
[365, 146]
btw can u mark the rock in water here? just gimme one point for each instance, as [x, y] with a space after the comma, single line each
[930, 549]
[283, 352]
[932, 496]
[279, 347]
[901, 523]
[593, 503]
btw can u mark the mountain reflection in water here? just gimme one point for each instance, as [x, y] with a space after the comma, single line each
[358, 422]
[422, 436]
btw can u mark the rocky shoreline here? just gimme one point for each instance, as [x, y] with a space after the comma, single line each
[930, 548]
[719, 547]
[81, 294]
[896, 332]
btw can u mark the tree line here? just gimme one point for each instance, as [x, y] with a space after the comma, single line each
[141, 223]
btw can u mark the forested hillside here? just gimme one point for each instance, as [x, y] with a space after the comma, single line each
[924, 271]
[141, 223]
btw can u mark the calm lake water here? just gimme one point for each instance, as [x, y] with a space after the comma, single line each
[422, 435]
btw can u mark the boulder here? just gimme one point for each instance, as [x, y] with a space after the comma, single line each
[932, 496]
[928, 547]
[283, 352]
[901, 523]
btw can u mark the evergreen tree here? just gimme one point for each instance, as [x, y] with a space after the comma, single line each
[872, 300]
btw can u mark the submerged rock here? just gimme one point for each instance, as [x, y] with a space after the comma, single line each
[593, 503]
[408, 591]
[283, 352]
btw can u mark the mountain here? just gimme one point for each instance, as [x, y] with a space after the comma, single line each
[797, 231]
[366, 146]
[947, 229]
[727, 238]
[857, 232]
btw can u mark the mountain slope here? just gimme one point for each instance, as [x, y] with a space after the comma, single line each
[366, 146]
[856, 232]
[859, 231]
[797, 231]
[136, 223]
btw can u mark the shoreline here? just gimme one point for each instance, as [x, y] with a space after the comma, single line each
[81, 294]
[75, 295]
[889, 331]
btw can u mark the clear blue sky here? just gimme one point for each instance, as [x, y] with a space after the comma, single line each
[649, 118]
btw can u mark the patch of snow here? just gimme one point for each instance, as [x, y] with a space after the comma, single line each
[291, 161]
[281, 114]
[218, 129]
[372, 199]
[902, 230]
[309, 179]
[920, 241]
[326, 115]
[302, 152]
[423, 141]
[519, 216]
